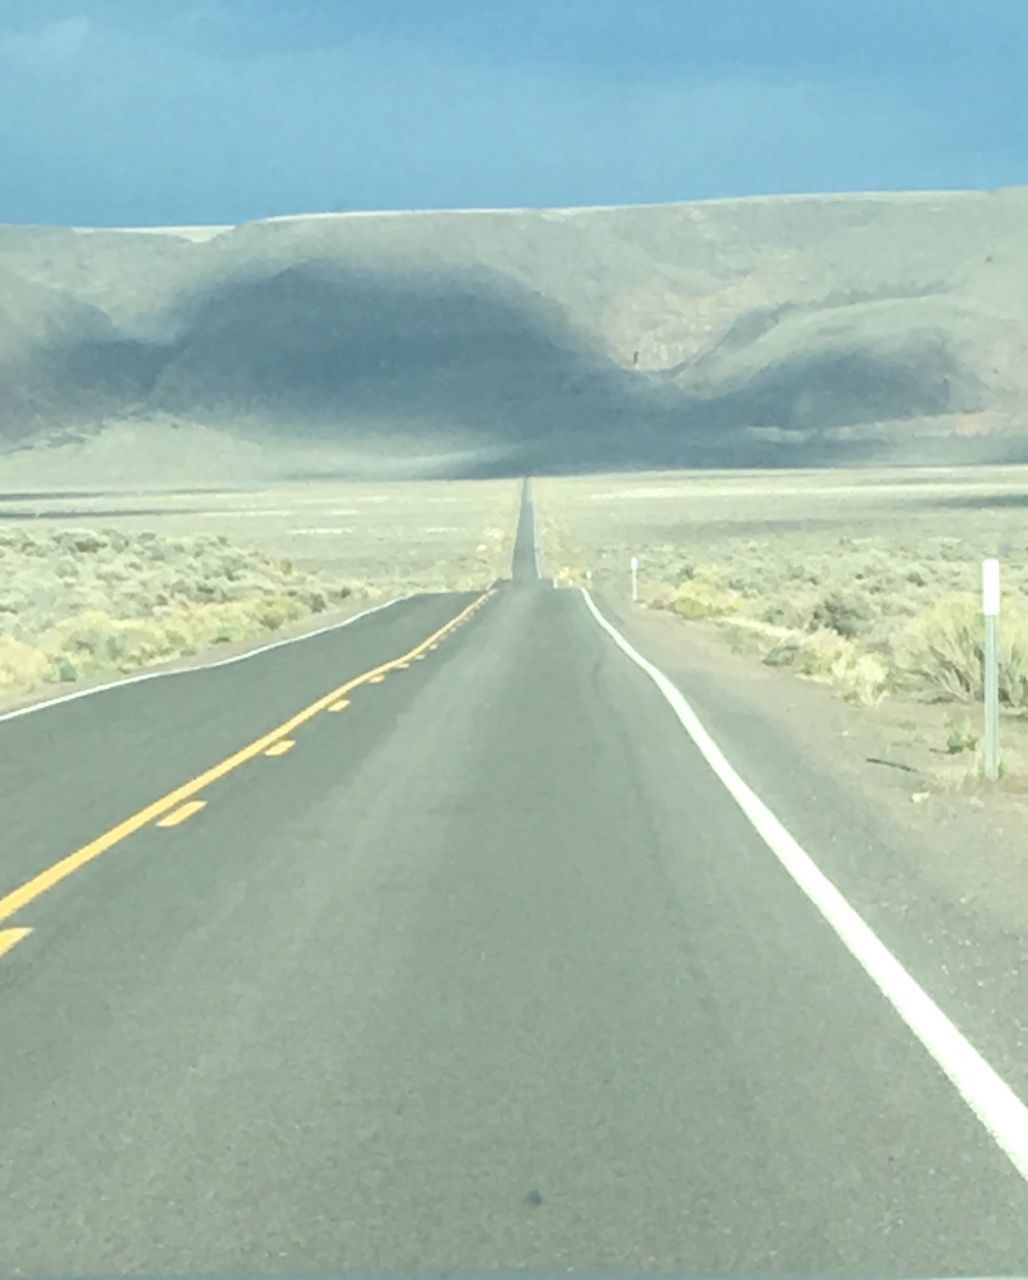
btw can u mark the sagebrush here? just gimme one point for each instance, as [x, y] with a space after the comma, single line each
[80, 603]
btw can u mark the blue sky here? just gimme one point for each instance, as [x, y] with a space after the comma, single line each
[143, 112]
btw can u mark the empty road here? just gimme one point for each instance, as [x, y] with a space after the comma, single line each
[434, 941]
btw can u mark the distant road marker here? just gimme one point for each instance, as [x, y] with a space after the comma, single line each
[281, 747]
[341, 705]
[182, 813]
[376, 679]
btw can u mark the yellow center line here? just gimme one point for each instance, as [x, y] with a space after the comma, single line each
[72, 862]
[281, 747]
[10, 938]
[182, 813]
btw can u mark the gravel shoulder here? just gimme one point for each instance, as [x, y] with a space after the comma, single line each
[884, 754]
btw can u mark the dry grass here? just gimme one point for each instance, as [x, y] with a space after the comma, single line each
[391, 536]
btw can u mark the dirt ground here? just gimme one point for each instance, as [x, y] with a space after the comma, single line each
[392, 536]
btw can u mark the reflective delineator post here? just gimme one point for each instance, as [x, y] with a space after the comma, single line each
[990, 674]
[635, 578]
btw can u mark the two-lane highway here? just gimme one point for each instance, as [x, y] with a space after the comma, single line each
[485, 968]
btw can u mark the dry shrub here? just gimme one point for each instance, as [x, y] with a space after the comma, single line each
[700, 598]
[826, 656]
[273, 612]
[941, 651]
[792, 610]
[219, 623]
[847, 613]
[21, 666]
[92, 642]
[77, 603]
[862, 678]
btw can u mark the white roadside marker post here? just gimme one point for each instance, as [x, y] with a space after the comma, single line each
[635, 579]
[990, 680]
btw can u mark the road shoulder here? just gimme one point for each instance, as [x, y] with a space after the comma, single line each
[941, 874]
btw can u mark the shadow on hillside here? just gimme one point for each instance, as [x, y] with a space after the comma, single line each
[337, 353]
[326, 351]
[481, 366]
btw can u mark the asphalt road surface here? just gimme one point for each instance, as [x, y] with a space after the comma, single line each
[486, 969]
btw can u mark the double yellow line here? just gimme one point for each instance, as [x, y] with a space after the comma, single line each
[52, 875]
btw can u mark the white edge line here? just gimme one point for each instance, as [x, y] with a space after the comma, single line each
[992, 1100]
[535, 537]
[203, 666]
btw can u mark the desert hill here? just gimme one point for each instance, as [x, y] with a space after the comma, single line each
[776, 330]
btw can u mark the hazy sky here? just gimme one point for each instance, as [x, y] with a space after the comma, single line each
[147, 112]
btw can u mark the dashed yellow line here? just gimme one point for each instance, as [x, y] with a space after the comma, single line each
[341, 705]
[281, 747]
[164, 806]
[183, 812]
[376, 679]
[10, 938]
